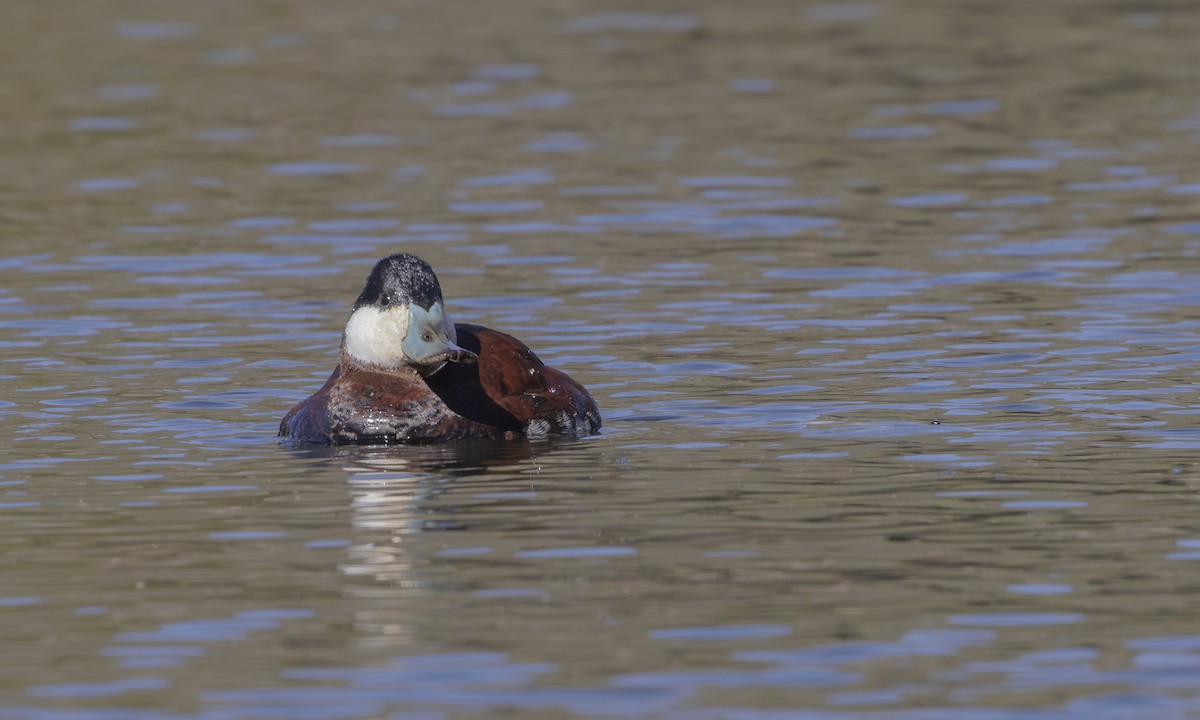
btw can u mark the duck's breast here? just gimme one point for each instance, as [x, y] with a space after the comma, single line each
[365, 406]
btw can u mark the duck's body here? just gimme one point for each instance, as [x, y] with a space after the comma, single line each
[442, 381]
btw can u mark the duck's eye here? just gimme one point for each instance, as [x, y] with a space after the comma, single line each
[385, 300]
[427, 337]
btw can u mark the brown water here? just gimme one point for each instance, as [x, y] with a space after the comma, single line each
[889, 307]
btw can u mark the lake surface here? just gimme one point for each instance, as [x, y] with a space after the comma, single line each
[890, 308]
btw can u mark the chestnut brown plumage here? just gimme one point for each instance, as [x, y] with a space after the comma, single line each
[489, 386]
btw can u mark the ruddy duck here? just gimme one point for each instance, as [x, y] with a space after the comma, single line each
[407, 373]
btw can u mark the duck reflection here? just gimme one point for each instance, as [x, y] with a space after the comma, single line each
[454, 457]
[406, 490]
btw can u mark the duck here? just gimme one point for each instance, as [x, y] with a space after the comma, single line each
[407, 373]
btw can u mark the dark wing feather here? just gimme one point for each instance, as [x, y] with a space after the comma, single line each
[542, 399]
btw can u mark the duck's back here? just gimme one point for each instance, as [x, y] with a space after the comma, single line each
[540, 399]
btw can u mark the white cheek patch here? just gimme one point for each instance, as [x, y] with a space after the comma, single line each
[374, 336]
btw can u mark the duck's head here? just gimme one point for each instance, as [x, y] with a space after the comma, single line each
[398, 320]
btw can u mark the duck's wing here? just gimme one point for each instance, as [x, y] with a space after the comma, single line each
[544, 400]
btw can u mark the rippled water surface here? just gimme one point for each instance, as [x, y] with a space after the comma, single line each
[890, 308]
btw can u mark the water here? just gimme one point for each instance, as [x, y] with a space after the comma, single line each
[889, 307]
